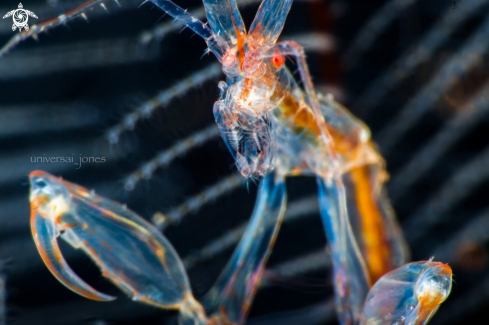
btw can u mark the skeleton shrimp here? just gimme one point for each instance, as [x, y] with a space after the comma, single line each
[140, 261]
[275, 129]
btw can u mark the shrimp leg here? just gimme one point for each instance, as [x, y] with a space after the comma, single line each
[350, 277]
[378, 235]
[225, 20]
[233, 293]
[269, 22]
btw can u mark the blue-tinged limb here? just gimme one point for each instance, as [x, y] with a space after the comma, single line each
[269, 22]
[350, 277]
[225, 20]
[192, 22]
[230, 298]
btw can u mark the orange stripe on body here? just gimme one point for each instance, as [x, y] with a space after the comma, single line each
[375, 247]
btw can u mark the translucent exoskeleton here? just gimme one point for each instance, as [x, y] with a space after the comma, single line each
[129, 250]
[409, 295]
[142, 263]
[269, 123]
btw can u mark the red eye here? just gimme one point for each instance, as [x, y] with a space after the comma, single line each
[278, 60]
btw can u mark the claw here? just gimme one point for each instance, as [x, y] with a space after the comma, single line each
[129, 251]
[44, 233]
[45, 236]
[410, 294]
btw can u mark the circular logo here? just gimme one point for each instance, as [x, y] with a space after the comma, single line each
[20, 17]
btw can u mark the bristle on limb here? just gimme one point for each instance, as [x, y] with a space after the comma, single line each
[162, 99]
[165, 157]
[43, 26]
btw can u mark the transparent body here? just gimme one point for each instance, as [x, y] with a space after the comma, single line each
[269, 123]
[274, 129]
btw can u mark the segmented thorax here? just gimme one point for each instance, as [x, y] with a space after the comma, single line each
[255, 86]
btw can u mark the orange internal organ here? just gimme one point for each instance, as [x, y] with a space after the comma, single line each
[376, 248]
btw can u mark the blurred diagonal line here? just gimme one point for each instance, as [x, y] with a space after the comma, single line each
[162, 99]
[317, 314]
[315, 261]
[194, 203]
[460, 63]
[297, 209]
[313, 42]
[373, 28]
[421, 52]
[88, 54]
[458, 187]
[472, 113]
[30, 119]
[165, 157]
[475, 231]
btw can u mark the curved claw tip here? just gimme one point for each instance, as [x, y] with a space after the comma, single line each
[45, 236]
[51, 255]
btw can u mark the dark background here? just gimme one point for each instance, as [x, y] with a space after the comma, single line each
[414, 71]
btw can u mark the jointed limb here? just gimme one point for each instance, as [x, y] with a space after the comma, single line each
[237, 285]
